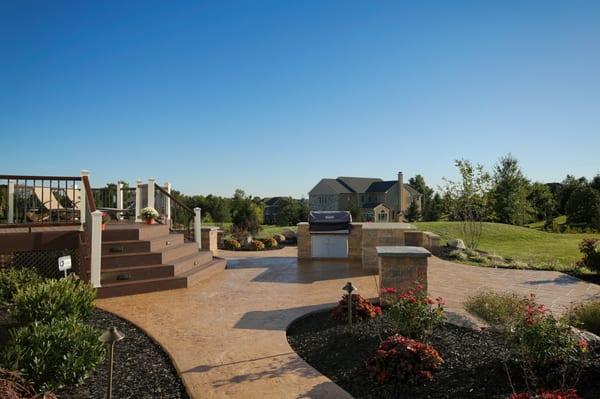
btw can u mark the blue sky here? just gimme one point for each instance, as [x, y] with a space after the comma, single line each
[270, 96]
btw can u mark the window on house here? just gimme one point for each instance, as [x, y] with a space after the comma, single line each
[382, 216]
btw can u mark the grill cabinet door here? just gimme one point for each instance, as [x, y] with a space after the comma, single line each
[329, 245]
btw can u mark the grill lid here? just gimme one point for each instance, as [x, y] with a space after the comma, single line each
[329, 221]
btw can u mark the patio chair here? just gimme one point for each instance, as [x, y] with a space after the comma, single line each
[51, 207]
[74, 195]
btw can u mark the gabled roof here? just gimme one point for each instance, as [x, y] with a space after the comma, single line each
[357, 184]
[336, 186]
[412, 190]
[372, 205]
[381, 186]
[271, 201]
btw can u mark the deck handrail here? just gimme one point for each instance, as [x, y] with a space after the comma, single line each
[89, 196]
[178, 202]
[28, 177]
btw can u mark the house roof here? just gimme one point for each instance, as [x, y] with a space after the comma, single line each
[357, 184]
[412, 190]
[372, 205]
[337, 186]
[271, 201]
[381, 186]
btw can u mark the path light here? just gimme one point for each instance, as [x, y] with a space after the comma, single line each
[349, 288]
[110, 337]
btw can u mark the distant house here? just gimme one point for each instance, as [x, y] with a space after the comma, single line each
[272, 207]
[378, 200]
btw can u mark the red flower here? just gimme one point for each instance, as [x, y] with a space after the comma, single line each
[583, 345]
[389, 290]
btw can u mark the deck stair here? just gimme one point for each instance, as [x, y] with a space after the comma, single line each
[138, 258]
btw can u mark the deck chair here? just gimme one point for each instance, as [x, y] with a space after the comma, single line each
[74, 195]
[51, 207]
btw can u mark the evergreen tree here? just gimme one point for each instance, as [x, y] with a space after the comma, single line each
[509, 192]
[583, 208]
[412, 213]
[434, 209]
[542, 201]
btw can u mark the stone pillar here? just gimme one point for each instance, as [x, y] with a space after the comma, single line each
[304, 243]
[402, 267]
[210, 238]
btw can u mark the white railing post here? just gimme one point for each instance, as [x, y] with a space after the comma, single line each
[119, 200]
[83, 199]
[11, 201]
[168, 203]
[138, 200]
[198, 227]
[151, 193]
[95, 247]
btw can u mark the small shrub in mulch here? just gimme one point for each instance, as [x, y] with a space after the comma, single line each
[256, 245]
[12, 280]
[270, 243]
[590, 248]
[279, 238]
[586, 316]
[231, 244]
[496, 308]
[400, 360]
[362, 309]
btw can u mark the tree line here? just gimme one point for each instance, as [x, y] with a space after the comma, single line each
[506, 195]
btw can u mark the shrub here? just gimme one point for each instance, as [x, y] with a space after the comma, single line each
[256, 245]
[546, 394]
[583, 208]
[53, 299]
[231, 244]
[279, 237]
[270, 243]
[63, 352]
[401, 360]
[14, 386]
[496, 308]
[413, 313]
[586, 316]
[590, 248]
[14, 279]
[362, 309]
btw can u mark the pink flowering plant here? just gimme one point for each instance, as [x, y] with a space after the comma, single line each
[105, 217]
[541, 343]
[413, 313]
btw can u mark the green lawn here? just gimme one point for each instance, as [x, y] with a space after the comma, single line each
[539, 248]
[267, 231]
[540, 225]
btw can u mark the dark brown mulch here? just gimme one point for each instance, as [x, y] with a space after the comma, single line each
[472, 367]
[142, 369]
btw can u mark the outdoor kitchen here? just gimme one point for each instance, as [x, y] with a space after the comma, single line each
[333, 235]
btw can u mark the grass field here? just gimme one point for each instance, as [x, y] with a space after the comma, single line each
[540, 225]
[266, 231]
[539, 248]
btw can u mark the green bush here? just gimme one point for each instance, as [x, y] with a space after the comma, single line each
[63, 352]
[270, 243]
[231, 244]
[256, 245]
[496, 308]
[586, 316]
[14, 279]
[53, 299]
[279, 237]
[413, 313]
[590, 248]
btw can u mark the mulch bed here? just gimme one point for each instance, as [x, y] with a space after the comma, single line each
[472, 365]
[142, 369]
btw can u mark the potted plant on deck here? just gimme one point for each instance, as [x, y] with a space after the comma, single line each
[105, 219]
[149, 214]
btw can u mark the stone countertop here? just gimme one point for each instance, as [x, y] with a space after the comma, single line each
[403, 251]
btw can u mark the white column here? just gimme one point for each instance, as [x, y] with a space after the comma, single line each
[119, 200]
[11, 201]
[95, 248]
[138, 200]
[198, 227]
[151, 192]
[83, 200]
[168, 203]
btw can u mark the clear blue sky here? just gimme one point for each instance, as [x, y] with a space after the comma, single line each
[270, 96]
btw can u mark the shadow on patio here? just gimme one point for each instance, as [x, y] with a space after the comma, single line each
[292, 270]
[279, 319]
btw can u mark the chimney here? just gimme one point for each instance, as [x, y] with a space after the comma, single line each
[400, 189]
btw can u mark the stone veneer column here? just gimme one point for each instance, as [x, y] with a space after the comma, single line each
[401, 267]
[210, 238]
[304, 243]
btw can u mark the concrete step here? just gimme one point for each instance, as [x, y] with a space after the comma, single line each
[132, 273]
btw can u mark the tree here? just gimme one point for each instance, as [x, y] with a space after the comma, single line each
[509, 192]
[434, 209]
[412, 212]
[568, 185]
[595, 183]
[542, 201]
[354, 208]
[291, 212]
[429, 214]
[583, 208]
[246, 214]
[468, 200]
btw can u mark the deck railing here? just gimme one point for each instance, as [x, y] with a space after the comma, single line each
[179, 217]
[39, 200]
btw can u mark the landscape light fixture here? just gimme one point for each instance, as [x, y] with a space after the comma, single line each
[110, 337]
[349, 288]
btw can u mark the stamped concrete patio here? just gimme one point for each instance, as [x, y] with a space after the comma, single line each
[226, 335]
